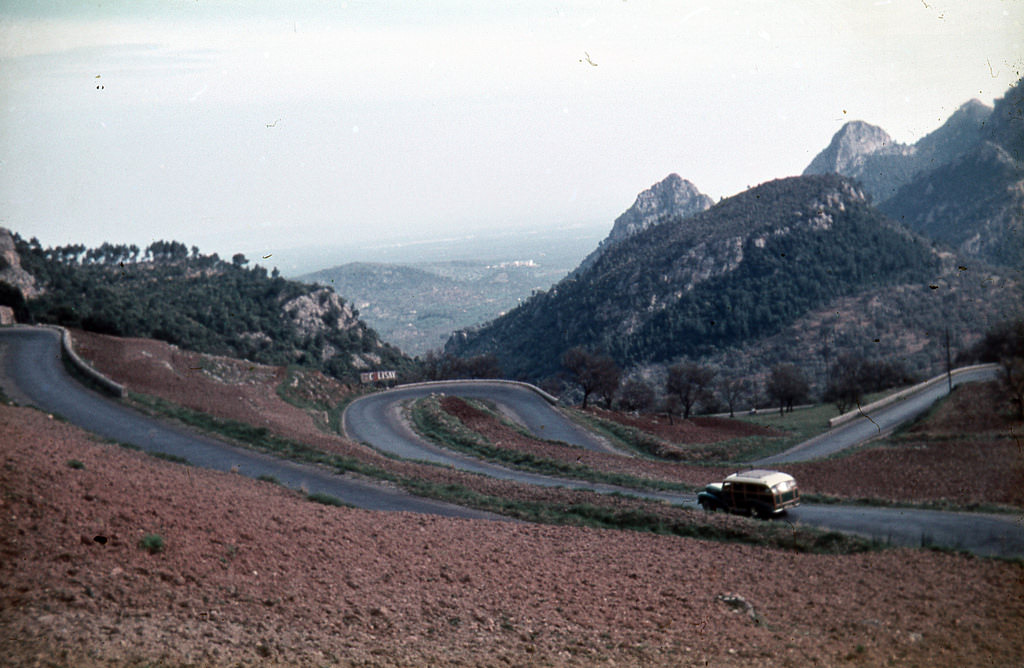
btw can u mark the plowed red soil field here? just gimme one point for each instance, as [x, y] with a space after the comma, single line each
[253, 574]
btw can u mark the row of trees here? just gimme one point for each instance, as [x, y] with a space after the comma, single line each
[120, 254]
[443, 366]
[687, 386]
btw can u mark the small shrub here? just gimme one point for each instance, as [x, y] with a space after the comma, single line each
[152, 543]
[327, 499]
[266, 477]
[166, 456]
[75, 464]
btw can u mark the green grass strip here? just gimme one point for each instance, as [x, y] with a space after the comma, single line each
[438, 426]
[328, 500]
[259, 438]
[751, 532]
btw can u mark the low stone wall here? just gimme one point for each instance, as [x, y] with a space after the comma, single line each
[553, 400]
[902, 394]
[101, 381]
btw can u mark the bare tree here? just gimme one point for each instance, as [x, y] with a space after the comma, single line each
[1004, 344]
[690, 383]
[846, 382]
[671, 405]
[609, 378]
[733, 390]
[593, 372]
[636, 395]
[786, 384]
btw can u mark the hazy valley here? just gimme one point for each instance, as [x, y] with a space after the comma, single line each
[879, 251]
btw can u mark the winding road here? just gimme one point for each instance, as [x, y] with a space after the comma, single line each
[32, 372]
[375, 420]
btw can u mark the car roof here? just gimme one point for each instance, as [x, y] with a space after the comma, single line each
[761, 476]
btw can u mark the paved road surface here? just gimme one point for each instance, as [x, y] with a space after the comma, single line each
[874, 424]
[32, 372]
[375, 420]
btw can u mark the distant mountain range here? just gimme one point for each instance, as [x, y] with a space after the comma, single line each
[854, 236]
[417, 306]
[962, 184]
[878, 248]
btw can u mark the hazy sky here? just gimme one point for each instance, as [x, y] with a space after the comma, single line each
[259, 126]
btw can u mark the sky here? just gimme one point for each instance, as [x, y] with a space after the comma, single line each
[268, 126]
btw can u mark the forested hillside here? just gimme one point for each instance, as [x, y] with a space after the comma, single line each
[200, 302]
[739, 272]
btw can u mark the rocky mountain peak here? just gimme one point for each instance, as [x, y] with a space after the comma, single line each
[973, 111]
[672, 196]
[850, 146]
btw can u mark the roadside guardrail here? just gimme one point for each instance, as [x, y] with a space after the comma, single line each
[903, 394]
[68, 351]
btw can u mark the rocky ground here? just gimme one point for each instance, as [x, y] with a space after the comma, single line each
[251, 573]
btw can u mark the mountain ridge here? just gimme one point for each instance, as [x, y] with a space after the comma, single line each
[974, 202]
[868, 154]
[689, 286]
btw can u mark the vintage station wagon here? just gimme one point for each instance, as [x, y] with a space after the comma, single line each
[756, 492]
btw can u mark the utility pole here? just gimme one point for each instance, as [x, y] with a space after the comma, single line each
[949, 363]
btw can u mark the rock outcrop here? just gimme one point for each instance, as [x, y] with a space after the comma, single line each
[321, 311]
[851, 147]
[11, 271]
[672, 197]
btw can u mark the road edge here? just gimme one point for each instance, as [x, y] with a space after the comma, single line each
[67, 348]
[903, 394]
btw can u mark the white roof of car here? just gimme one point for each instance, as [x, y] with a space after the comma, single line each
[761, 476]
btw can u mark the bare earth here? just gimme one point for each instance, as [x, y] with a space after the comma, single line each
[252, 573]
